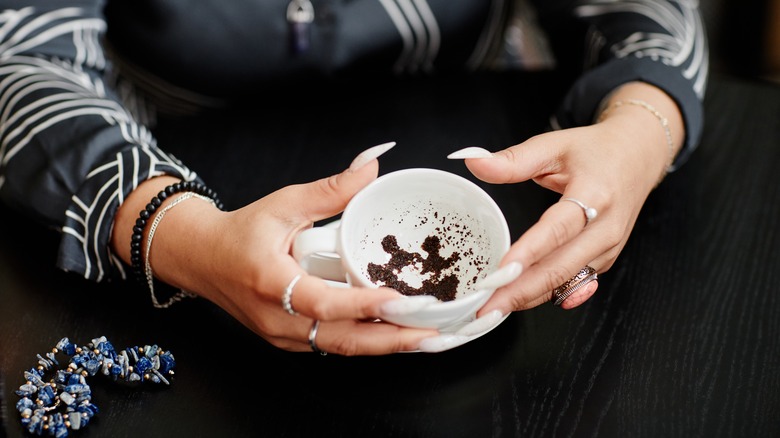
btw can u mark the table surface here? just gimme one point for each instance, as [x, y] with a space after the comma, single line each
[682, 339]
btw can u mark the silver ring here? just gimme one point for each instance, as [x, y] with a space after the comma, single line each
[313, 336]
[590, 212]
[585, 276]
[287, 296]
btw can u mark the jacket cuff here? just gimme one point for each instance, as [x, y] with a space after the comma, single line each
[580, 106]
[86, 234]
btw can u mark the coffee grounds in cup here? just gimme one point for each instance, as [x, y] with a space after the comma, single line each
[441, 284]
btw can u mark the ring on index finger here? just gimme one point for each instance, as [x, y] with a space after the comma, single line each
[585, 276]
[590, 212]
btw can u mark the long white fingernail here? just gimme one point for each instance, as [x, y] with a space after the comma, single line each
[481, 324]
[470, 152]
[437, 344]
[369, 154]
[501, 277]
[406, 305]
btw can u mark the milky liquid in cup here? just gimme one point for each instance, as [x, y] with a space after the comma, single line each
[427, 247]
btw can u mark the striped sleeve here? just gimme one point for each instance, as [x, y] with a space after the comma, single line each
[69, 150]
[661, 42]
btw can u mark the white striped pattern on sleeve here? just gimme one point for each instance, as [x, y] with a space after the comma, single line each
[69, 150]
[680, 41]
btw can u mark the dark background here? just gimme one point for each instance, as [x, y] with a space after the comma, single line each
[738, 33]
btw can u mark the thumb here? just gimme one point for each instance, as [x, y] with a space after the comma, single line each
[329, 196]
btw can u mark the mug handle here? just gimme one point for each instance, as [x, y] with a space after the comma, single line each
[315, 250]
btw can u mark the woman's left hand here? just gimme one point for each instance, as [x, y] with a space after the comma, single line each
[610, 166]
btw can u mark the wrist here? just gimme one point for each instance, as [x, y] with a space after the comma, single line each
[652, 120]
[127, 214]
[182, 254]
[151, 235]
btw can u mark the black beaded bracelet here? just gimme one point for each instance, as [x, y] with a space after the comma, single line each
[136, 254]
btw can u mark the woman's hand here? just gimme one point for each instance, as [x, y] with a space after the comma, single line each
[241, 261]
[610, 166]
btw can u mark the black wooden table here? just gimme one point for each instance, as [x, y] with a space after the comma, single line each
[682, 338]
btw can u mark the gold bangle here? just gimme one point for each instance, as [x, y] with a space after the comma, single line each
[664, 124]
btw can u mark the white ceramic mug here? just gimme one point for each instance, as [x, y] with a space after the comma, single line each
[452, 230]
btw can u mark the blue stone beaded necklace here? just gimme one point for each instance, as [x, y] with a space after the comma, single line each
[64, 402]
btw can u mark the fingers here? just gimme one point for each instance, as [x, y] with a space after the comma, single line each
[350, 338]
[596, 246]
[318, 299]
[560, 244]
[469, 332]
[348, 316]
[367, 338]
[298, 292]
[343, 337]
[580, 296]
[557, 226]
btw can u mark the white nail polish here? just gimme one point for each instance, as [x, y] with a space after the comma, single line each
[481, 324]
[437, 344]
[501, 277]
[369, 154]
[470, 152]
[406, 305]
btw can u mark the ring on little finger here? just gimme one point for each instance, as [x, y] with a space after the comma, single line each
[585, 276]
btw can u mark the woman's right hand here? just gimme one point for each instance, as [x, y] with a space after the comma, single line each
[241, 261]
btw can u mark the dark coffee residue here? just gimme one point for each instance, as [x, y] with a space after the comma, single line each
[442, 286]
